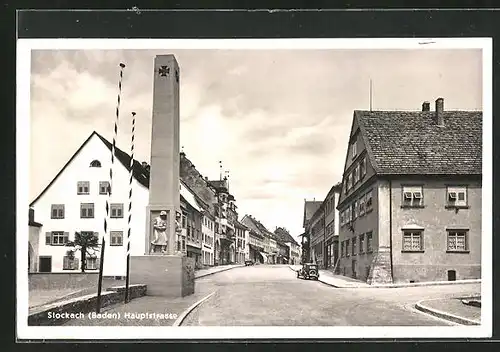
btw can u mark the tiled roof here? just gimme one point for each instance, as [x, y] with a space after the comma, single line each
[411, 143]
[140, 173]
[310, 208]
[284, 236]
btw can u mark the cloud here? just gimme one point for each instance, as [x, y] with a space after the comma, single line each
[278, 119]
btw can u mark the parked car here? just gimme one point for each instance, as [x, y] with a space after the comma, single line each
[248, 262]
[309, 271]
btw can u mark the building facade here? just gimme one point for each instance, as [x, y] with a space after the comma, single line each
[240, 246]
[64, 212]
[410, 208]
[208, 237]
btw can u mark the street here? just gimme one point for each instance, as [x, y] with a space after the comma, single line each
[271, 295]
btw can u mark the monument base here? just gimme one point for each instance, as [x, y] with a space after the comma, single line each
[164, 275]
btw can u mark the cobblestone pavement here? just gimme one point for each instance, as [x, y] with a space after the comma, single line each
[271, 295]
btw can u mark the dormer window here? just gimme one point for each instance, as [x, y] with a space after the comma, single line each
[413, 196]
[354, 149]
[95, 163]
[457, 196]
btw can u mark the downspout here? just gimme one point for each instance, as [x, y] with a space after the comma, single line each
[390, 228]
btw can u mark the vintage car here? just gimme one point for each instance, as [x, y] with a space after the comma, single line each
[248, 262]
[308, 271]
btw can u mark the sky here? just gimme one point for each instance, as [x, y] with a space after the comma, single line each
[279, 120]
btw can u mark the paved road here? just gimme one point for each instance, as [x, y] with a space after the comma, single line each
[271, 295]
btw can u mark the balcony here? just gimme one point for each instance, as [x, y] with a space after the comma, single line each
[227, 237]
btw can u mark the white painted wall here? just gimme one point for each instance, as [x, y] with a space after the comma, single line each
[64, 191]
[208, 230]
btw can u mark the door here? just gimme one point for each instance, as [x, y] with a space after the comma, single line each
[452, 275]
[45, 264]
[353, 268]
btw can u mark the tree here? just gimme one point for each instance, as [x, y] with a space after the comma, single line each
[86, 243]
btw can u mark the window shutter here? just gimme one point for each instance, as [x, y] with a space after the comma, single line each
[48, 238]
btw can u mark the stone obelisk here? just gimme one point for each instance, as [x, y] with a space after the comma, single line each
[165, 273]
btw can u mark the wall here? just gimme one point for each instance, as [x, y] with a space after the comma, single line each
[64, 191]
[362, 225]
[208, 247]
[48, 281]
[434, 262]
[34, 239]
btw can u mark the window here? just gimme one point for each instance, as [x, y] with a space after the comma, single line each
[353, 247]
[56, 238]
[369, 202]
[70, 263]
[349, 215]
[412, 241]
[456, 196]
[116, 210]
[57, 211]
[116, 238]
[362, 168]
[356, 174]
[104, 187]
[92, 263]
[369, 242]
[413, 196]
[349, 181]
[95, 163]
[183, 221]
[347, 248]
[355, 210]
[87, 210]
[354, 149]
[342, 249]
[361, 243]
[457, 241]
[83, 187]
[362, 205]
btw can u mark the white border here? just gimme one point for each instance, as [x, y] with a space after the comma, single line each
[24, 47]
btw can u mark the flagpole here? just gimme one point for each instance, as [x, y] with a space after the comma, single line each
[108, 200]
[127, 281]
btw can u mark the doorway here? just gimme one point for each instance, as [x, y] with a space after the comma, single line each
[452, 275]
[353, 268]
[45, 264]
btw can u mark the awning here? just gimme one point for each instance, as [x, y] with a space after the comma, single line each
[264, 255]
[254, 247]
[193, 249]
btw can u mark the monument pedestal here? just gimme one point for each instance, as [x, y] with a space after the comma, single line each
[164, 275]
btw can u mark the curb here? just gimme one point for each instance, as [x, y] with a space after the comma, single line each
[184, 314]
[58, 299]
[216, 272]
[443, 315]
[416, 284]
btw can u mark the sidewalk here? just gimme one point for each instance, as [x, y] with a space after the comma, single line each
[214, 269]
[452, 309]
[143, 311]
[339, 281]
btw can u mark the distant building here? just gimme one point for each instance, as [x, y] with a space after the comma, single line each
[240, 242]
[410, 208]
[290, 254]
[63, 213]
[260, 235]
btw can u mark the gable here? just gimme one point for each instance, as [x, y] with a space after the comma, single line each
[94, 150]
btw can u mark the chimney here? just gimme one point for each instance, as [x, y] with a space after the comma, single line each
[426, 106]
[31, 215]
[439, 111]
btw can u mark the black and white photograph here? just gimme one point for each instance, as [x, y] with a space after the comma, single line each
[247, 188]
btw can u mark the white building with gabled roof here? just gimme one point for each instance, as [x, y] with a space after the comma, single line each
[75, 200]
